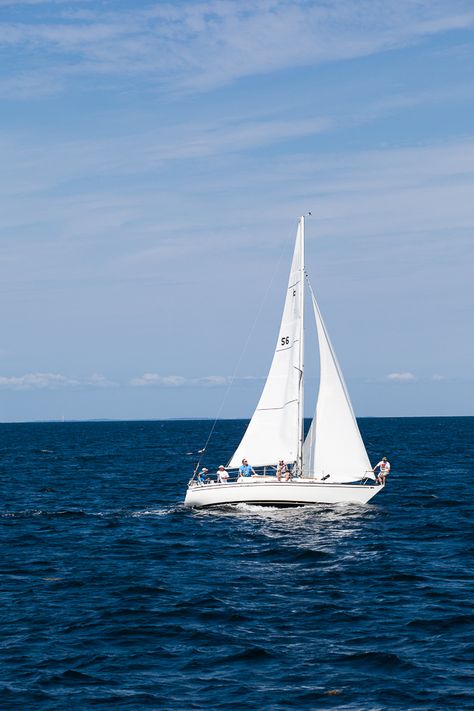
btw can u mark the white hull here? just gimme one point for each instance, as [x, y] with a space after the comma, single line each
[275, 493]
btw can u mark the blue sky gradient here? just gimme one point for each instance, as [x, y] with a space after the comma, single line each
[155, 159]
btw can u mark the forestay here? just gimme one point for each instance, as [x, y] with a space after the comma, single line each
[333, 445]
[274, 430]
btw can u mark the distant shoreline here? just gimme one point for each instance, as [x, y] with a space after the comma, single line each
[211, 419]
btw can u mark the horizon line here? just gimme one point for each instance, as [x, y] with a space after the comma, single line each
[208, 419]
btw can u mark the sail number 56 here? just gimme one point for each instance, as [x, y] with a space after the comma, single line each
[285, 340]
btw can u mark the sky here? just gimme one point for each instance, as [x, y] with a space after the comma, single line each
[155, 158]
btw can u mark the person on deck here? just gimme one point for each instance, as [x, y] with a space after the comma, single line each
[282, 470]
[202, 476]
[245, 470]
[222, 475]
[384, 470]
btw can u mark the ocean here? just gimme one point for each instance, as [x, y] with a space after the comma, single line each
[114, 596]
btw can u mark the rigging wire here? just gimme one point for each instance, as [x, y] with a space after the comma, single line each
[242, 353]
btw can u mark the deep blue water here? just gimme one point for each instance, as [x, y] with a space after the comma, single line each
[115, 596]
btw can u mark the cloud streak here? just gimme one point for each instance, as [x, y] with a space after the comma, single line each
[52, 381]
[134, 155]
[155, 380]
[197, 46]
[405, 377]
[173, 381]
[57, 381]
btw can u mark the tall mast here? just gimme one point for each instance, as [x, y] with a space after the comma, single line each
[301, 356]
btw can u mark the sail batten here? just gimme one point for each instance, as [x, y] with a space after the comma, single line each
[266, 409]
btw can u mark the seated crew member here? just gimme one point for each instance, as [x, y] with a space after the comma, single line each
[384, 470]
[202, 476]
[282, 470]
[245, 470]
[222, 475]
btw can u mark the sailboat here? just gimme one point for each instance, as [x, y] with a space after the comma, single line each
[331, 464]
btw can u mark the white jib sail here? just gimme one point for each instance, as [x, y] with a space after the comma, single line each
[274, 430]
[333, 444]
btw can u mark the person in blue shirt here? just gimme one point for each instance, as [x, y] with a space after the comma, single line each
[203, 477]
[245, 469]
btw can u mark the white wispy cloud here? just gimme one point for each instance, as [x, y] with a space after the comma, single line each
[29, 85]
[51, 381]
[388, 195]
[153, 379]
[213, 380]
[405, 377]
[156, 380]
[37, 381]
[97, 380]
[16, 3]
[57, 381]
[135, 154]
[201, 45]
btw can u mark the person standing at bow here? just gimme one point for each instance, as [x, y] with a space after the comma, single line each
[384, 470]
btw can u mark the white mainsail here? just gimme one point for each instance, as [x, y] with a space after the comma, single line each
[333, 444]
[274, 431]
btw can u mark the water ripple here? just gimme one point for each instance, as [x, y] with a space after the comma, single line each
[115, 596]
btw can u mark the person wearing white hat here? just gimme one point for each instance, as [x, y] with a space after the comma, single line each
[202, 476]
[222, 475]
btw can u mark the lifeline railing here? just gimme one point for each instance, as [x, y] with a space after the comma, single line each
[268, 473]
[234, 475]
